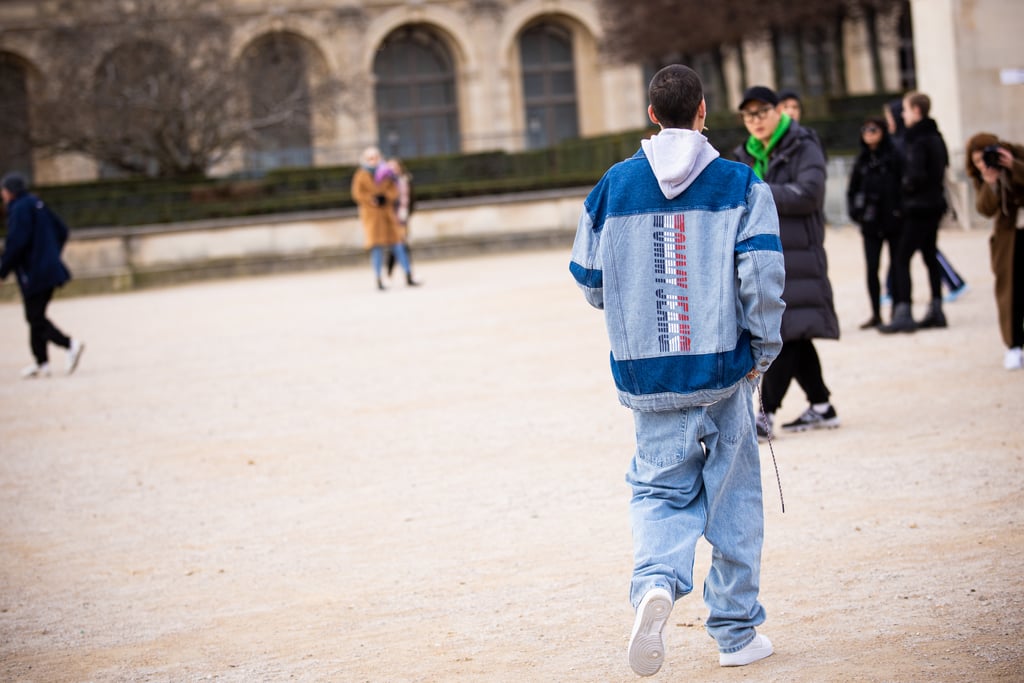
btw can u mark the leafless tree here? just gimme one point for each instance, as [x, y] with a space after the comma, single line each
[149, 87]
[654, 31]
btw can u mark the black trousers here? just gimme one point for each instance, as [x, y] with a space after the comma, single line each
[920, 233]
[40, 330]
[873, 258]
[798, 360]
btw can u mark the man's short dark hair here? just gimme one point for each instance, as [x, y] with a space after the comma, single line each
[14, 183]
[675, 94]
[921, 101]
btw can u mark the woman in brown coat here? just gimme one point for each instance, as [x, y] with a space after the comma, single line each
[997, 170]
[376, 200]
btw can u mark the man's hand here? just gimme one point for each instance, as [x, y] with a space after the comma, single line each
[753, 374]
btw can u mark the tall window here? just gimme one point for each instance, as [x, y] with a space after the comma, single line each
[417, 114]
[807, 60]
[709, 66]
[817, 52]
[908, 69]
[549, 85]
[280, 102]
[16, 151]
[788, 66]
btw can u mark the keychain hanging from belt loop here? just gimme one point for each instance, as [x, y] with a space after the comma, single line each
[771, 449]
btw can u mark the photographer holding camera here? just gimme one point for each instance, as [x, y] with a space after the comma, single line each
[996, 169]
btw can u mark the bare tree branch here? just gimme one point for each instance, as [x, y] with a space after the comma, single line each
[146, 86]
[652, 31]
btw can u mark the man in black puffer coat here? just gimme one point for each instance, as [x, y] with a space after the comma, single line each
[924, 203]
[790, 159]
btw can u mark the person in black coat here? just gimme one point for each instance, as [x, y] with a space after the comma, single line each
[924, 203]
[951, 277]
[873, 202]
[790, 159]
[35, 238]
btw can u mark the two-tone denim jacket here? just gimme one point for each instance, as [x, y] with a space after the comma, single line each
[691, 283]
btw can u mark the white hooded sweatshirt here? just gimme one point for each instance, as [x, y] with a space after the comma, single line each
[677, 156]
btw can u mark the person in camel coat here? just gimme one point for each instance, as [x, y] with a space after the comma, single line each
[375, 200]
[996, 169]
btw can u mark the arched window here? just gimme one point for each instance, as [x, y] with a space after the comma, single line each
[549, 85]
[280, 104]
[16, 150]
[417, 114]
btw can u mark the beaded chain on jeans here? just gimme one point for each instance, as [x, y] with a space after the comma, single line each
[771, 449]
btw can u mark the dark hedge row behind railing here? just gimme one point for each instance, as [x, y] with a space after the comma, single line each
[572, 163]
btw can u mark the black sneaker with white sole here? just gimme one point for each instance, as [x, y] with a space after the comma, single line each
[812, 419]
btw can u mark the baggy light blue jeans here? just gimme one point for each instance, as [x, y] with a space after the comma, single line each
[696, 472]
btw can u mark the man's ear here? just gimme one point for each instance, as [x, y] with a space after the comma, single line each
[651, 116]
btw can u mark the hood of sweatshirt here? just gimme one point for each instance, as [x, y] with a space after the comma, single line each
[677, 156]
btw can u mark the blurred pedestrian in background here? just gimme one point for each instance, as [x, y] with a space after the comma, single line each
[873, 202]
[403, 209]
[376, 201]
[35, 239]
[955, 284]
[996, 169]
[791, 105]
[924, 203]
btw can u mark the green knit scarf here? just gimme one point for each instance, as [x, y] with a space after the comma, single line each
[756, 148]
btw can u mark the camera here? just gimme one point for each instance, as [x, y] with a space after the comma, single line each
[990, 156]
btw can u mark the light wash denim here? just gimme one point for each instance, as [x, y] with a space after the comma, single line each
[691, 287]
[697, 472]
[377, 258]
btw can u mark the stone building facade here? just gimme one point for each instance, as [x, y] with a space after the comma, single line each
[453, 76]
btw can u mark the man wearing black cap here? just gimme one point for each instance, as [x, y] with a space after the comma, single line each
[790, 159]
[35, 238]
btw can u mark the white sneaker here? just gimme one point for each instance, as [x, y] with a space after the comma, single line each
[35, 370]
[74, 353]
[646, 646]
[1014, 359]
[759, 648]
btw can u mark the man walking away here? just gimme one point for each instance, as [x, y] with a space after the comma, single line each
[681, 250]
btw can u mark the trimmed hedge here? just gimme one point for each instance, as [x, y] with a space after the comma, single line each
[573, 163]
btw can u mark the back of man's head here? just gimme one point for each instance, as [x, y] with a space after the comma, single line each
[675, 94]
[920, 101]
[14, 183]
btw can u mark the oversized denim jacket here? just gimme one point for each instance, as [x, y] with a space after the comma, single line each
[691, 287]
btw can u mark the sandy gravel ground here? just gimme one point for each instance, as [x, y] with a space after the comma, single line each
[299, 478]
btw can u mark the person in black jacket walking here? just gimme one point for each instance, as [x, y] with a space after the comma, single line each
[924, 203]
[873, 202]
[35, 238]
